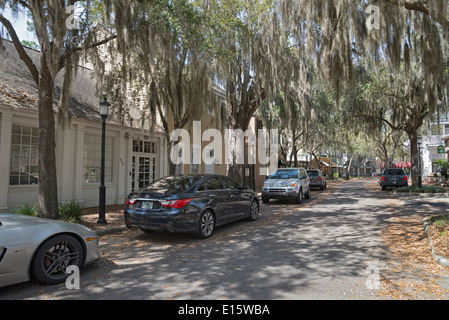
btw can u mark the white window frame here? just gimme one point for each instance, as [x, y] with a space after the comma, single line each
[92, 159]
[26, 144]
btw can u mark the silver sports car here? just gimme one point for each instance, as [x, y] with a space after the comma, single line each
[42, 249]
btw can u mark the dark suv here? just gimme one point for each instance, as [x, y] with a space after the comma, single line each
[393, 178]
[317, 179]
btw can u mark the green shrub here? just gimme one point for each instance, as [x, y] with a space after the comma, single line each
[27, 210]
[71, 211]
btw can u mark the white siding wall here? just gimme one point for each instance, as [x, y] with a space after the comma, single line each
[70, 166]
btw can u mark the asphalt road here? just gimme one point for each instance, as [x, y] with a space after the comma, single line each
[325, 248]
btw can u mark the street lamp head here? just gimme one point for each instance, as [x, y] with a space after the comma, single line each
[419, 140]
[104, 107]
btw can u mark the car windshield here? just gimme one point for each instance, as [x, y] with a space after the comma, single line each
[284, 174]
[312, 173]
[172, 184]
[394, 172]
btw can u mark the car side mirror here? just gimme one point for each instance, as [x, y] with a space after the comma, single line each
[244, 187]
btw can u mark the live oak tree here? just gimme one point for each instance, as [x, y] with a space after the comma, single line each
[60, 49]
[244, 66]
[164, 66]
[198, 45]
[263, 46]
[257, 48]
[409, 43]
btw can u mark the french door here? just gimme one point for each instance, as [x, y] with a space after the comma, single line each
[143, 171]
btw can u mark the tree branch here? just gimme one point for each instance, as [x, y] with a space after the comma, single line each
[96, 44]
[20, 50]
[70, 51]
[422, 7]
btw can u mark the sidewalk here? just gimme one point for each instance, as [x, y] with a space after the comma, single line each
[114, 218]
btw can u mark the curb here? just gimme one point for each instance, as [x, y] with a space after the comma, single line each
[110, 230]
[441, 260]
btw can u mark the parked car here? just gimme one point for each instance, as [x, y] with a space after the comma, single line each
[393, 177]
[287, 183]
[317, 179]
[42, 249]
[190, 203]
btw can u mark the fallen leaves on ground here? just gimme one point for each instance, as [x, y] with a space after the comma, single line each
[411, 272]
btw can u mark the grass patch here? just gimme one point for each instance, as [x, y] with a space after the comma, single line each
[426, 189]
[441, 223]
[71, 211]
[27, 210]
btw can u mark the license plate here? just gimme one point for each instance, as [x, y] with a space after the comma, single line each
[147, 205]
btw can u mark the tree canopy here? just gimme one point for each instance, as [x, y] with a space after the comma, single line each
[339, 65]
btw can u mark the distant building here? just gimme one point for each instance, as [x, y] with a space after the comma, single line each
[433, 145]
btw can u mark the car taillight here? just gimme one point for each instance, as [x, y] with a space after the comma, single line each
[319, 178]
[383, 178]
[130, 201]
[405, 178]
[176, 203]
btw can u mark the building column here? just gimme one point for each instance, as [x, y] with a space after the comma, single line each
[65, 163]
[78, 161]
[5, 152]
[121, 169]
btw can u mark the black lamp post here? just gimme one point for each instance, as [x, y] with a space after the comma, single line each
[419, 162]
[104, 111]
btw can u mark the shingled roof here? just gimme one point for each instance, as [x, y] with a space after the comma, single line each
[18, 89]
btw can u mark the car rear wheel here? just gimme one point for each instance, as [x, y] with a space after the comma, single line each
[54, 256]
[206, 225]
[253, 211]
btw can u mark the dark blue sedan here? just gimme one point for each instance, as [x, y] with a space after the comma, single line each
[190, 203]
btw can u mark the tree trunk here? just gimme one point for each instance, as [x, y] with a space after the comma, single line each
[414, 157]
[48, 191]
[171, 165]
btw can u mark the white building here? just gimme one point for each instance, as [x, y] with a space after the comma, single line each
[134, 156]
[431, 143]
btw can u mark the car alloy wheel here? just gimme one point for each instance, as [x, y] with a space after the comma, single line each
[54, 256]
[253, 211]
[206, 224]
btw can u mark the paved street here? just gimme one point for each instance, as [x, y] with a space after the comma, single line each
[325, 248]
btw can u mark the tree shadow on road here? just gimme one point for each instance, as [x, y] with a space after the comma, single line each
[312, 250]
